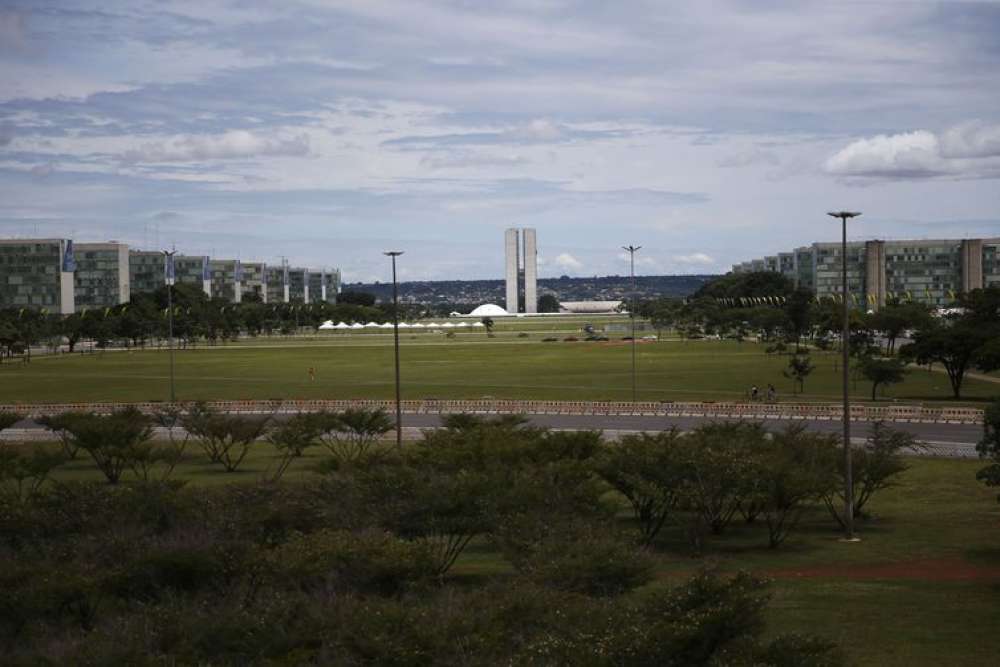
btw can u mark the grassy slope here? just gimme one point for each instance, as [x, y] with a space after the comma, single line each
[938, 515]
[468, 366]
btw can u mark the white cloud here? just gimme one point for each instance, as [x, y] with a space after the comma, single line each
[229, 145]
[967, 150]
[971, 140]
[694, 258]
[538, 130]
[568, 262]
[12, 31]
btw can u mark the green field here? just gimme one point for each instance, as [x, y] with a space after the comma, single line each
[921, 588]
[470, 365]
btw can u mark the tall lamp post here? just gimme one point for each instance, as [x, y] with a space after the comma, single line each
[845, 339]
[631, 251]
[169, 275]
[395, 339]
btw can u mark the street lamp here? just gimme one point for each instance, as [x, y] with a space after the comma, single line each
[845, 338]
[395, 338]
[631, 251]
[169, 275]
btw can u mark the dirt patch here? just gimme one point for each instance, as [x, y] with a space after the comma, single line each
[942, 569]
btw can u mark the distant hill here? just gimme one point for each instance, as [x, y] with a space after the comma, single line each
[476, 292]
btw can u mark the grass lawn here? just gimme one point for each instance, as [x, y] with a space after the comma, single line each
[921, 588]
[467, 366]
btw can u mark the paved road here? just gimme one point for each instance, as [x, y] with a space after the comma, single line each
[953, 440]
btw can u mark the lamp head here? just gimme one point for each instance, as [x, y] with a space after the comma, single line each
[393, 253]
[844, 214]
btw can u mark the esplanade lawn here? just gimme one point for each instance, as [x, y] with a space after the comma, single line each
[511, 364]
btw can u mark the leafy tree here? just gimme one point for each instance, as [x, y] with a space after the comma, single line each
[882, 371]
[875, 466]
[798, 313]
[8, 419]
[799, 368]
[22, 475]
[111, 441]
[646, 470]
[989, 446]
[548, 303]
[894, 319]
[60, 426]
[351, 297]
[790, 473]
[955, 346]
[756, 284]
[291, 438]
[488, 323]
[718, 463]
[350, 436]
[225, 439]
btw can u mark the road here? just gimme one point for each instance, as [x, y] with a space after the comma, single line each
[939, 439]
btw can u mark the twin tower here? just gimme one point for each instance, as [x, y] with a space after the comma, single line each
[522, 271]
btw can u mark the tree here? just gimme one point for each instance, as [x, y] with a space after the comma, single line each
[548, 303]
[953, 345]
[989, 446]
[22, 475]
[876, 465]
[799, 368]
[790, 473]
[882, 371]
[111, 441]
[488, 323]
[894, 319]
[350, 436]
[351, 297]
[291, 438]
[798, 314]
[224, 438]
[645, 469]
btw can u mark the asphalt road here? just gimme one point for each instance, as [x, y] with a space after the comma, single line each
[939, 439]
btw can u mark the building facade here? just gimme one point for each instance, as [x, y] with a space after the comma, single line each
[521, 270]
[37, 273]
[102, 275]
[930, 271]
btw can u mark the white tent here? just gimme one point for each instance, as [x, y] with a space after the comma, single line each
[416, 325]
[404, 325]
[462, 324]
[386, 325]
[371, 325]
[478, 324]
[327, 325]
[431, 325]
[341, 325]
[448, 325]
[357, 325]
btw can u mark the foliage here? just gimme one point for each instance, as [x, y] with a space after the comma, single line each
[799, 368]
[60, 426]
[645, 469]
[351, 436]
[23, 475]
[224, 438]
[876, 465]
[989, 446]
[113, 441]
[291, 438]
[8, 419]
[882, 371]
[548, 303]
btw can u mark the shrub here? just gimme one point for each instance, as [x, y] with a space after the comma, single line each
[224, 438]
[351, 436]
[112, 441]
[550, 339]
[570, 339]
[523, 334]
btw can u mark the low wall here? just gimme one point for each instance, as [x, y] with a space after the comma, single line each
[759, 411]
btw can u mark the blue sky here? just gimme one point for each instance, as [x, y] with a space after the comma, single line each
[706, 132]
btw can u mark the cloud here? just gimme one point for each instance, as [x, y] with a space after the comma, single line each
[971, 140]
[748, 158]
[536, 131]
[43, 170]
[694, 258]
[6, 134]
[568, 262]
[235, 144]
[968, 150]
[12, 31]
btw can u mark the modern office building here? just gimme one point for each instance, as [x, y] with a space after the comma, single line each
[37, 273]
[102, 275]
[521, 270]
[929, 271]
[147, 271]
[56, 275]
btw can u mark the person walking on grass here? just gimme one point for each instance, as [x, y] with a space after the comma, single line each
[312, 374]
[772, 393]
[754, 392]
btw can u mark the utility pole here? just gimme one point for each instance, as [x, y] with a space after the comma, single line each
[169, 275]
[845, 339]
[395, 340]
[631, 251]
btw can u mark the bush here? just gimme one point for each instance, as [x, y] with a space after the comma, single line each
[523, 334]
[224, 438]
[113, 442]
[570, 339]
[550, 339]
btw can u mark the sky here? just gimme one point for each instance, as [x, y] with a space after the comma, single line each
[328, 132]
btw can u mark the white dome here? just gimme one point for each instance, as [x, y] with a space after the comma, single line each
[488, 310]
